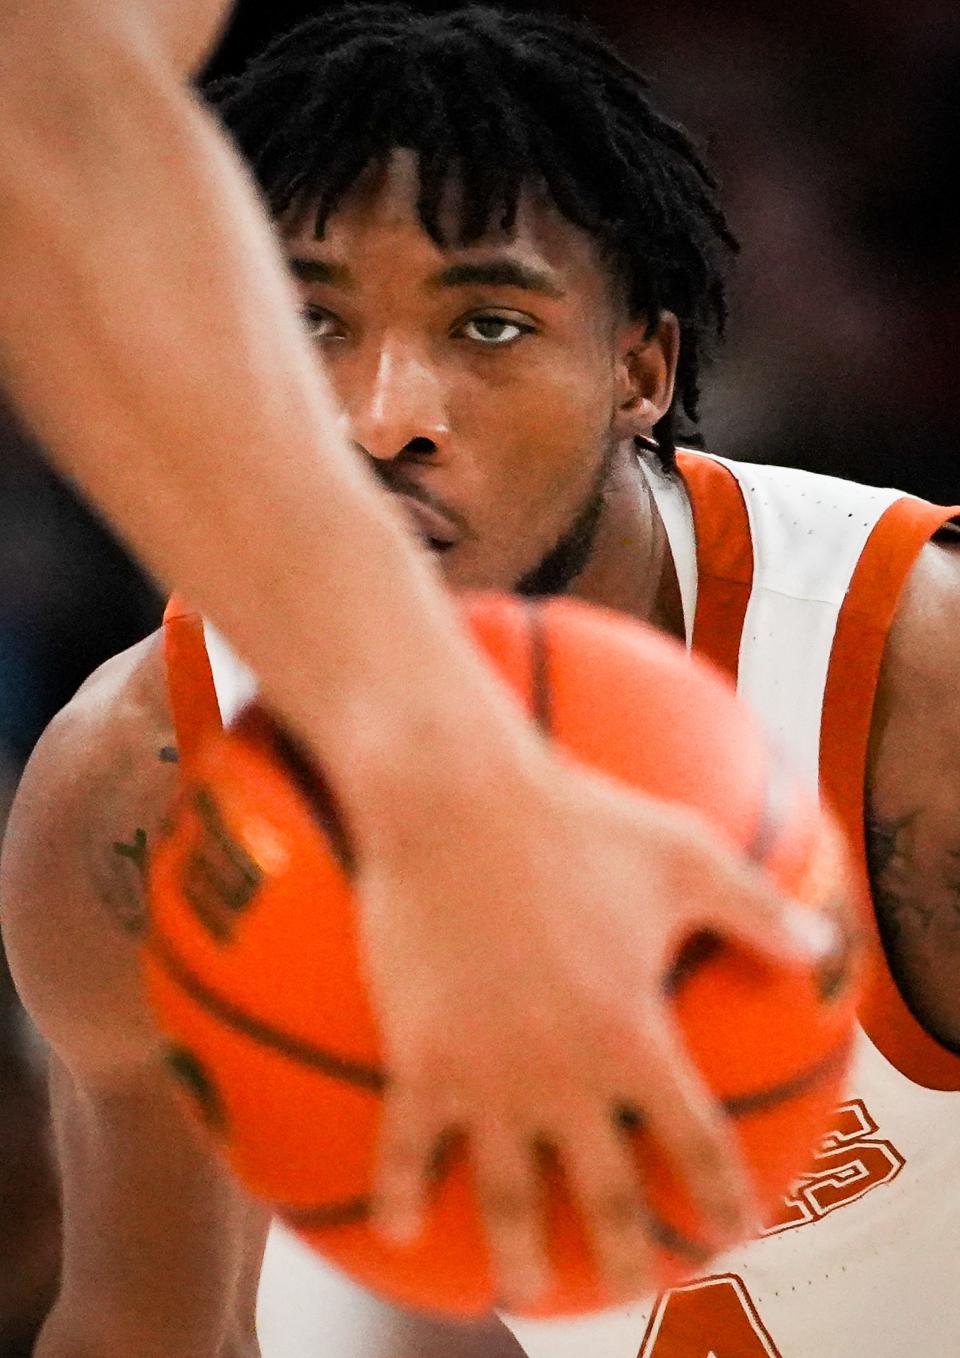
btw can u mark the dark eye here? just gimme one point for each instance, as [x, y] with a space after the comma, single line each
[494, 331]
[319, 323]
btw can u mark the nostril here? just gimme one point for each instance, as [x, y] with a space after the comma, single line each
[420, 447]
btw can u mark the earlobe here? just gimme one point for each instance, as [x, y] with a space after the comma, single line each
[646, 375]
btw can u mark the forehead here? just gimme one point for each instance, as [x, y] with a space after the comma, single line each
[378, 214]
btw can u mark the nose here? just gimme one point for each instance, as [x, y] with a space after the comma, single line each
[401, 410]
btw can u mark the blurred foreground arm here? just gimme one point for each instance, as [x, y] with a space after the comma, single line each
[150, 337]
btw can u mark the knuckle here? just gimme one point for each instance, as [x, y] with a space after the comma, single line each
[515, 1255]
[419, 1062]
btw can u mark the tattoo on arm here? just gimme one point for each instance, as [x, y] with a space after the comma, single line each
[889, 861]
[915, 881]
[910, 892]
[127, 896]
[135, 852]
[119, 867]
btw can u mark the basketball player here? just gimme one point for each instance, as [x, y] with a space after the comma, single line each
[509, 264]
[149, 336]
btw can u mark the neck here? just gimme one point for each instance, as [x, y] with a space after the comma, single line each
[631, 568]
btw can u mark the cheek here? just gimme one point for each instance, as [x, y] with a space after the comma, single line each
[525, 487]
[551, 398]
[572, 400]
[538, 432]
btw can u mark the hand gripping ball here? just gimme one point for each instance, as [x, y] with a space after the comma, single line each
[253, 970]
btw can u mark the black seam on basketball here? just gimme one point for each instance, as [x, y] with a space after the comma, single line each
[697, 1253]
[694, 955]
[539, 667]
[312, 786]
[745, 1105]
[348, 1212]
[631, 1119]
[352, 1211]
[736, 1107]
[336, 1067]
[673, 1240]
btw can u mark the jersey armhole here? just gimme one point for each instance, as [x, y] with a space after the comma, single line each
[864, 622]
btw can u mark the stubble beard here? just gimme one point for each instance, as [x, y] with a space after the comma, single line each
[558, 568]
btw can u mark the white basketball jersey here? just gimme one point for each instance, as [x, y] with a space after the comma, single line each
[789, 580]
[863, 1261]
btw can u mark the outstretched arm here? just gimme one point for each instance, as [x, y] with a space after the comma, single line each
[149, 335]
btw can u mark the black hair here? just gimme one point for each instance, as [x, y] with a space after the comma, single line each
[495, 101]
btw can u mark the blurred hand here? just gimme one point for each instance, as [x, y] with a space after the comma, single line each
[188, 29]
[178, 35]
[517, 942]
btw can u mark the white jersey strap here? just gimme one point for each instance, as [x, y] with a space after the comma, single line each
[235, 682]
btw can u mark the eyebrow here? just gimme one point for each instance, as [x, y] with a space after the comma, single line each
[319, 271]
[495, 273]
[498, 273]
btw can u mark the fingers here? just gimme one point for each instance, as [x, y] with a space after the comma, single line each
[692, 1130]
[604, 1177]
[600, 1166]
[413, 1125]
[745, 904]
[509, 1188]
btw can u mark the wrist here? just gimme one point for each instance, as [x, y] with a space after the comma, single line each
[407, 765]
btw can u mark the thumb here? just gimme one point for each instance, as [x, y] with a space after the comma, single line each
[747, 904]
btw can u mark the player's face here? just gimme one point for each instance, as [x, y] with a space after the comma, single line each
[492, 388]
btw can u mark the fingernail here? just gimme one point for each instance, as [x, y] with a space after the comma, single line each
[814, 935]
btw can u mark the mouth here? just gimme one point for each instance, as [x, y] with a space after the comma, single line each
[432, 526]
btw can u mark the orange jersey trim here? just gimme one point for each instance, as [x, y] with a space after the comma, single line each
[725, 577]
[862, 628]
[724, 559]
[193, 694]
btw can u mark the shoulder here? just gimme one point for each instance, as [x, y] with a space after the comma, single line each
[91, 799]
[913, 792]
[109, 753]
[919, 684]
[929, 606]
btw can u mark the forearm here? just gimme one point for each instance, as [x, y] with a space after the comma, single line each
[150, 337]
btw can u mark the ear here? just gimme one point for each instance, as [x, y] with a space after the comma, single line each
[646, 371]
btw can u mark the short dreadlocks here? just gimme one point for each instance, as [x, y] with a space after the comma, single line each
[498, 102]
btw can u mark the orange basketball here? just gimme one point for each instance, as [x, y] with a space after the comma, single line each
[253, 970]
